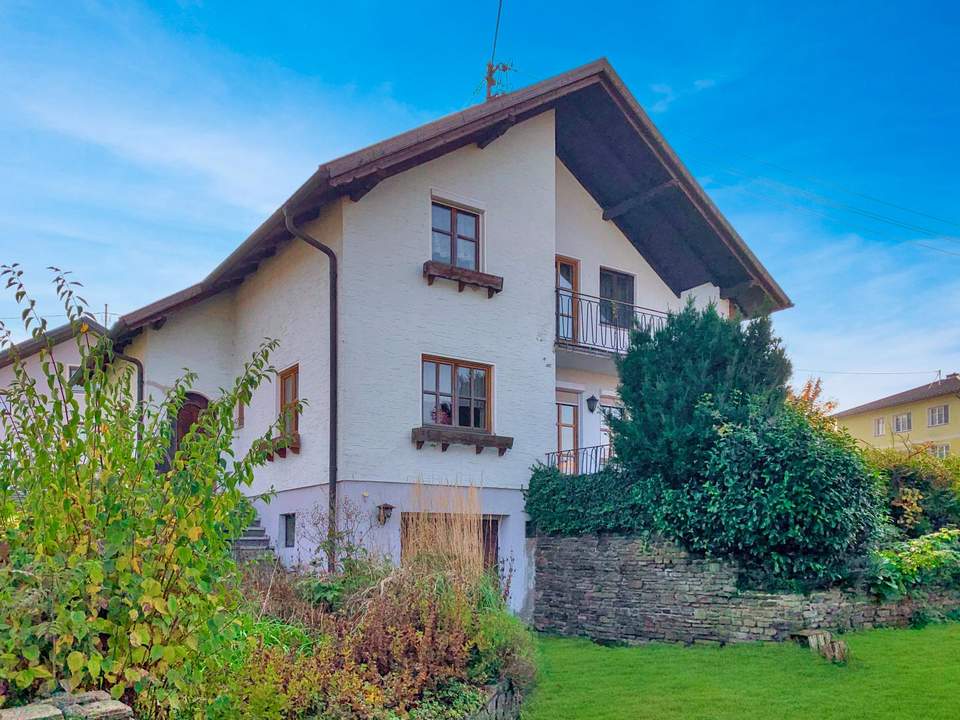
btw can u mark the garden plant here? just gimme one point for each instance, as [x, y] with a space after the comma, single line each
[117, 573]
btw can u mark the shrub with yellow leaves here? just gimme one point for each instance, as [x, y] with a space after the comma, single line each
[115, 561]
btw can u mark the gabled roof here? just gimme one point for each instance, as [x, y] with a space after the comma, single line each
[606, 140]
[950, 385]
[49, 339]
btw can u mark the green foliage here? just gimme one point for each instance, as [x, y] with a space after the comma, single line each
[710, 456]
[925, 563]
[791, 502]
[561, 504]
[665, 375]
[116, 570]
[413, 646]
[923, 491]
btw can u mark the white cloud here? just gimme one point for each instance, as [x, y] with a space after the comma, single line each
[863, 307]
[668, 94]
[140, 158]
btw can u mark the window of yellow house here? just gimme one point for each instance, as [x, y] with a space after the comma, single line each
[939, 415]
[878, 427]
[902, 423]
[940, 450]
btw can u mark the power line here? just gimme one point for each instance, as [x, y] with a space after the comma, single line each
[496, 33]
[870, 372]
[820, 181]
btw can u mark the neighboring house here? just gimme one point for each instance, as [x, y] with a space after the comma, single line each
[926, 414]
[490, 264]
[62, 345]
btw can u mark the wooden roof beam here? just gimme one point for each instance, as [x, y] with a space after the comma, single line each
[496, 131]
[638, 200]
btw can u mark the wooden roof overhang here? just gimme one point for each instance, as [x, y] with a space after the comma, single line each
[605, 139]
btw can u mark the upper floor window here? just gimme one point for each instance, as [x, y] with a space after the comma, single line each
[902, 422]
[456, 393]
[289, 399]
[939, 415]
[456, 236]
[616, 298]
[878, 427]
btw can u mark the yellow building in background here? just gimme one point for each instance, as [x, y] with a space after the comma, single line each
[926, 414]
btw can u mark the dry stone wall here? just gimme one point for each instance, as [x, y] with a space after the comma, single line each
[624, 589]
[94, 705]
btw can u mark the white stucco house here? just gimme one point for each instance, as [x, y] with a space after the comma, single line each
[487, 267]
[60, 346]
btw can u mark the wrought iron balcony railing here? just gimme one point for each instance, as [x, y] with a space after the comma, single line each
[600, 324]
[582, 461]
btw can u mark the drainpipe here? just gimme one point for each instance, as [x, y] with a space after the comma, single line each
[139, 366]
[332, 495]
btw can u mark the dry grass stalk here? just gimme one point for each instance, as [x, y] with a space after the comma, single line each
[444, 532]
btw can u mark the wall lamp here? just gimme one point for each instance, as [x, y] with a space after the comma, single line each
[592, 403]
[384, 512]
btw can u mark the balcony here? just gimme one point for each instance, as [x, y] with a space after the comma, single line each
[595, 324]
[582, 461]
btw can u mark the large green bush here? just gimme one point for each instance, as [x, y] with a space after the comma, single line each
[709, 455]
[665, 375]
[792, 503]
[115, 570]
[927, 562]
[922, 491]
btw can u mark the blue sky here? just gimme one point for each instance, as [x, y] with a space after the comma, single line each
[140, 143]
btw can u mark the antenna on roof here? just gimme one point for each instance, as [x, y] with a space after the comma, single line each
[495, 86]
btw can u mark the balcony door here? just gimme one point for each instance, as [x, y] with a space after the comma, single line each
[568, 432]
[568, 285]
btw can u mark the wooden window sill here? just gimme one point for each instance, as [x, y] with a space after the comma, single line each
[448, 436]
[279, 446]
[463, 277]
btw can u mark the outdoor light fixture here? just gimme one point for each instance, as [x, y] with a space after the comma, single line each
[592, 403]
[384, 512]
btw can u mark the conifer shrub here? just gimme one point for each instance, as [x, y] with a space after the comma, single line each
[709, 454]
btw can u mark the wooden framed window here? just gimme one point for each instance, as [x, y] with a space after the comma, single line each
[608, 409]
[289, 396]
[455, 236]
[938, 415]
[616, 298]
[72, 371]
[456, 393]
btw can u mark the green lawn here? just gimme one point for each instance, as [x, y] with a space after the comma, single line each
[901, 674]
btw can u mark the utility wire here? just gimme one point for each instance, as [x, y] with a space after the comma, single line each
[496, 32]
[819, 181]
[869, 372]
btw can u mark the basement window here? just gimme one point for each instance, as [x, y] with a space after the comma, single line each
[288, 529]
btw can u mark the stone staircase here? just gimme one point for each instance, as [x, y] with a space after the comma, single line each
[253, 544]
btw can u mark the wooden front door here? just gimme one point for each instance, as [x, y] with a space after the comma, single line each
[188, 416]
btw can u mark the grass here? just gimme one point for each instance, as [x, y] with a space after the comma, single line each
[899, 674]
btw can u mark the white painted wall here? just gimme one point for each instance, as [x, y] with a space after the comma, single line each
[392, 317]
[66, 353]
[583, 234]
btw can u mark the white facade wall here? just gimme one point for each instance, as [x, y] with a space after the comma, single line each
[532, 208]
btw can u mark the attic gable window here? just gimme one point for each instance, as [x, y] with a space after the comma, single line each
[455, 236]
